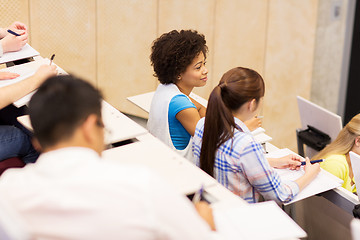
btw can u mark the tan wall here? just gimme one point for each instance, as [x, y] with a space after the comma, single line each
[108, 42]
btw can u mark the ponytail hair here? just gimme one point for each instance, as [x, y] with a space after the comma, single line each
[236, 87]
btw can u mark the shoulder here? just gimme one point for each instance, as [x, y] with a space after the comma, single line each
[179, 102]
[337, 165]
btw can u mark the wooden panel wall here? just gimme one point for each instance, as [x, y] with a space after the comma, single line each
[198, 15]
[14, 10]
[125, 31]
[290, 44]
[66, 28]
[108, 42]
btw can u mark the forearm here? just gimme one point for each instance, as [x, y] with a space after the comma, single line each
[11, 93]
[304, 181]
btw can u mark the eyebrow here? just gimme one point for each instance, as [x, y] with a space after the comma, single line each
[198, 63]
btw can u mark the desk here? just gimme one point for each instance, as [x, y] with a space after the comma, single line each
[118, 127]
[151, 152]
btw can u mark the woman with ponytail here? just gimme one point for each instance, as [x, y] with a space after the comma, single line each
[224, 147]
[336, 154]
[178, 59]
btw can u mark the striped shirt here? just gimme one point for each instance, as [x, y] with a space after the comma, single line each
[241, 167]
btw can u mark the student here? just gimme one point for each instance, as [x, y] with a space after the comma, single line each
[179, 60]
[10, 42]
[224, 148]
[336, 154]
[71, 193]
[13, 141]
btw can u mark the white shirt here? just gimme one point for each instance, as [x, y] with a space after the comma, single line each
[71, 194]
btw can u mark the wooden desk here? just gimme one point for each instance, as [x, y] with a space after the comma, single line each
[152, 153]
[118, 127]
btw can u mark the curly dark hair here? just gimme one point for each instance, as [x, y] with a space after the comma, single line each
[174, 51]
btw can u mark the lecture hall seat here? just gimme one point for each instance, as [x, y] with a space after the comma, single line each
[11, 163]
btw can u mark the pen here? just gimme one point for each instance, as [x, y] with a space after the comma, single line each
[197, 195]
[52, 58]
[13, 33]
[259, 116]
[312, 162]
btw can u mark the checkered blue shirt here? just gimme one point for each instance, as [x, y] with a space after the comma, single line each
[241, 167]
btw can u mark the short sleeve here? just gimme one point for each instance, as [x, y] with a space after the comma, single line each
[179, 103]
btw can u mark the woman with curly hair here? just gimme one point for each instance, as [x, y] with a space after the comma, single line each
[179, 60]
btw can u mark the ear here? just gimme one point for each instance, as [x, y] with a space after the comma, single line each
[252, 105]
[89, 127]
[357, 141]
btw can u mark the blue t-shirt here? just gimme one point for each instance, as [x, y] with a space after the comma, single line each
[179, 136]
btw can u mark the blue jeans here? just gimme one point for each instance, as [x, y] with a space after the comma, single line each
[16, 143]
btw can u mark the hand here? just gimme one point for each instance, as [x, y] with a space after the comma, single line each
[8, 75]
[11, 43]
[44, 72]
[253, 123]
[311, 169]
[18, 26]
[290, 161]
[205, 212]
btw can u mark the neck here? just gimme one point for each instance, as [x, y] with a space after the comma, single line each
[184, 89]
[241, 116]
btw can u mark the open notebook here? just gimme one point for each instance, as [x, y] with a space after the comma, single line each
[324, 181]
[26, 52]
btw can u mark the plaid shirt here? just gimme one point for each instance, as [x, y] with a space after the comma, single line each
[241, 167]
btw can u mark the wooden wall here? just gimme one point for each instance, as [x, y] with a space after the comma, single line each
[108, 42]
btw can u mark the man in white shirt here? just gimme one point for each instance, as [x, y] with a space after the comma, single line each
[70, 193]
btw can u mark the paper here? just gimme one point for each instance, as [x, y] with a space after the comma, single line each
[25, 70]
[26, 52]
[256, 221]
[324, 181]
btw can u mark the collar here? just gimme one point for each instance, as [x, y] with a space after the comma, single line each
[241, 125]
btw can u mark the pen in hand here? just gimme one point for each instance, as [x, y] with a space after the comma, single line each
[312, 162]
[197, 195]
[52, 58]
[13, 33]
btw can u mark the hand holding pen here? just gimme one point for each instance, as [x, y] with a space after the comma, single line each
[198, 195]
[14, 41]
[51, 59]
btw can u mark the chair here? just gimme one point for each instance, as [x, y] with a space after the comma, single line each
[11, 163]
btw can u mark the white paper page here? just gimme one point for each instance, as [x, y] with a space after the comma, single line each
[324, 181]
[26, 52]
[257, 131]
[262, 138]
[256, 222]
[24, 73]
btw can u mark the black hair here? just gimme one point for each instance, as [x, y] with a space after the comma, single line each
[60, 105]
[174, 51]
